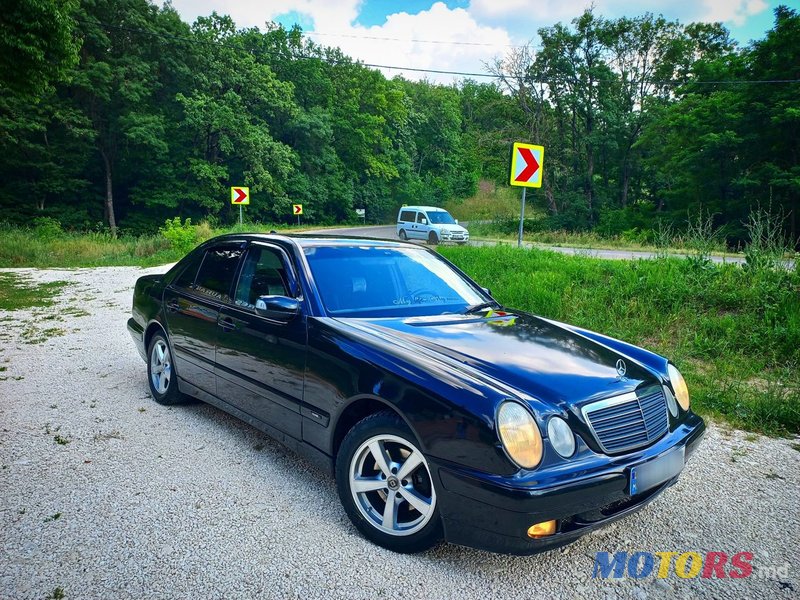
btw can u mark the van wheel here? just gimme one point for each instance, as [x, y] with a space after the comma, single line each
[433, 239]
[403, 235]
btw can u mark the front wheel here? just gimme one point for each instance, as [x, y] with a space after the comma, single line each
[385, 485]
[433, 239]
[403, 235]
[161, 372]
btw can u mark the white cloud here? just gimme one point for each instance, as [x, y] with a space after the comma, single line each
[732, 11]
[439, 24]
[336, 20]
[541, 11]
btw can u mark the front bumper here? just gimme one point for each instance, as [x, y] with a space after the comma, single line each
[494, 513]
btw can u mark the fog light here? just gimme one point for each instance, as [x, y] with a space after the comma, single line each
[542, 529]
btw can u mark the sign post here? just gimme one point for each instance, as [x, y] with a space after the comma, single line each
[527, 163]
[297, 209]
[241, 196]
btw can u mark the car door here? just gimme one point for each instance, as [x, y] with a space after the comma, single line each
[405, 221]
[192, 304]
[260, 363]
[422, 226]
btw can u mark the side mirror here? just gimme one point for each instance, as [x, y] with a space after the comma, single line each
[456, 221]
[278, 308]
[488, 292]
[424, 221]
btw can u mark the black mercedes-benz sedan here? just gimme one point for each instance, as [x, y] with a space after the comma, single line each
[441, 413]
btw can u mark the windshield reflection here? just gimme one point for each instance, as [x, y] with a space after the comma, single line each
[369, 281]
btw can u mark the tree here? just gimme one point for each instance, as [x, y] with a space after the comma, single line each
[37, 46]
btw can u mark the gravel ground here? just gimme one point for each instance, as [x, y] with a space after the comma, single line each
[147, 501]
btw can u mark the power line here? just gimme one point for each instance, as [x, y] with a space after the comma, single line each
[664, 82]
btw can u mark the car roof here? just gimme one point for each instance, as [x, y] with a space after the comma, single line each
[304, 241]
[425, 208]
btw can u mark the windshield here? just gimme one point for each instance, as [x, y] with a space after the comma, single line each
[441, 217]
[368, 281]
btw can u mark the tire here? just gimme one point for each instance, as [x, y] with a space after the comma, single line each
[406, 527]
[402, 235]
[161, 375]
[433, 239]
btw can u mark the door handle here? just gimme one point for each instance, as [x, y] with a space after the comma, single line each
[226, 323]
[173, 306]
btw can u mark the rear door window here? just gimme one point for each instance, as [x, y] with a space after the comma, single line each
[187, 276]
[407, 216]
[215, 278]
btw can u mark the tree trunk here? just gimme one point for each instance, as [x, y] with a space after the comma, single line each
[109, 205]
[626, 178]
[589, 177]
[551, 201]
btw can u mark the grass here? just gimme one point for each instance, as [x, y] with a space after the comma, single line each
[733, 332]
[506, 231]
[21, 247]
[490, 202]
[18, 292]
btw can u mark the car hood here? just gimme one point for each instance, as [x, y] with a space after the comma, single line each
[452, 228]
[535, 356]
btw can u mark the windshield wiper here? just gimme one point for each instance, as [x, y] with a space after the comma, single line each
[474, 308]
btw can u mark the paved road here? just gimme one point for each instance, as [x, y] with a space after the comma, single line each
[388, 232]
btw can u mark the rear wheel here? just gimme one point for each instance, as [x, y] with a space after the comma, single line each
[433, 239]
[385, 485]
[161, 372]
[403, 235]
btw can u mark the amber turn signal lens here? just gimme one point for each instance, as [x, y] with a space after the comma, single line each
[542, 529]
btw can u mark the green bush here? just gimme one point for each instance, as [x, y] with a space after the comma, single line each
[182, 236]
[47, 228]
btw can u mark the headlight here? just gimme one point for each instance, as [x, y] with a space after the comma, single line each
[520, 435]
[560, 436]
[679, 385]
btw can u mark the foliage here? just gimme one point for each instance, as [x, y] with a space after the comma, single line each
[735, 333]
[37, 45]
[182, 237]
[645, 120]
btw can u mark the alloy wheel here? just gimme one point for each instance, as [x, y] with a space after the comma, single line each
[391, 485]
[160, 367]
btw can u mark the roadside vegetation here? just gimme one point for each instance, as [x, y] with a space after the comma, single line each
[18, 292]
[118, 115]
[46, 245]
[733, 331]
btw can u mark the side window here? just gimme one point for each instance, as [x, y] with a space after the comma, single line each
[217, 271]
[420, 216]
[186, 278]
[407, 216]
[263, 274]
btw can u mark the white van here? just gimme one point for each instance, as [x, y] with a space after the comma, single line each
[431, 224]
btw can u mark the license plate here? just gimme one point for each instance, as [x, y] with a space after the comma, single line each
[650, 474]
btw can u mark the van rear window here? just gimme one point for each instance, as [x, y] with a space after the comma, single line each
[407, 215]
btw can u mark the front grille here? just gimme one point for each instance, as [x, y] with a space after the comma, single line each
[628, 421]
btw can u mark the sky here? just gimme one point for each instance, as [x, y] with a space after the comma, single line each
[462, 35]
